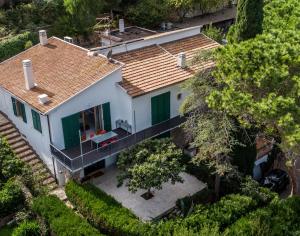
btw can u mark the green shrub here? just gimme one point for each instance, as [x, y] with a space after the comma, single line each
[104, 211]
[221, 214]
[15, 44]
[281, 217]
[11, 198]
[27, 228]
[62, 220]
[10, 165]
[213, 33]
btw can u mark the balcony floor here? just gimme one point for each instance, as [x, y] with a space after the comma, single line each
[86, 147]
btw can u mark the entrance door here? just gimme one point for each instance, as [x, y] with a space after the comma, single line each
[71, 127]
[160, 108]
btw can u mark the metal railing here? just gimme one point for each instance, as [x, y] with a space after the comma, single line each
[89, 158]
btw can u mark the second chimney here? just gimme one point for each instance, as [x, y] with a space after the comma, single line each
[43, 37]
[181, 60]
[28, 74]
[121, 26]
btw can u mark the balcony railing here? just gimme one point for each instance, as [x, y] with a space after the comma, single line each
[89, 158]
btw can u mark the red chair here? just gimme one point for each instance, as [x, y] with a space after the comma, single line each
[92, 134]
[83, 137]
[113, 140]
[103, 132]
[104, 144]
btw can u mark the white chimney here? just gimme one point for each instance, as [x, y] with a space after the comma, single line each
[43, 98]
[28, 74]
[121, 26]
[181, 60]
[43, 37]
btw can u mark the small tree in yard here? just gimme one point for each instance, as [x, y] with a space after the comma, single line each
[150, 164]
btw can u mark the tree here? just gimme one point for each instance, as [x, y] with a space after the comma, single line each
[211, 132]
[79, 17]
[260, 86]
[149, 165]
[249, 21]
[213, 33]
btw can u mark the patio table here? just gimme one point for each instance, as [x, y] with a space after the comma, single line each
[103, 137]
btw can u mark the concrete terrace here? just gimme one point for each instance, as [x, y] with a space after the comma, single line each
[147, 210]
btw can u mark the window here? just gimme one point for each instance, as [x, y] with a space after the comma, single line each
[19, 109]
[36, 121]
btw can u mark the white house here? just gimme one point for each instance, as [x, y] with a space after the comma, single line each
[80, 107]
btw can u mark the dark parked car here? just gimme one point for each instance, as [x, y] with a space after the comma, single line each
[277, 180]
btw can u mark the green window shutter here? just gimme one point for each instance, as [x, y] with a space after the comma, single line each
[160, 108]
[22, 106]
[71, 128]
[13, 100]
[36, 121]
[106, 116]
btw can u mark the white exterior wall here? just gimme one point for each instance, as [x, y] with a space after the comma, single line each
[142, 105]
[39, 141]
[105, 90]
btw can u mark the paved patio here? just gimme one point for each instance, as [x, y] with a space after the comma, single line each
[146, 210]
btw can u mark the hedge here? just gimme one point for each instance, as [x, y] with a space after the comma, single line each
[281, 217]
[16, 44]
[104, 211]
[27, 228]
[11, 198]
[62, 220]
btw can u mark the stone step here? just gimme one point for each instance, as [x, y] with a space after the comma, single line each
[12, 135]
[6, 127]
[15, 140]
[24, 148]
[37, 167]
[25, 153]
[8, 131]
[19, 144]
[42, 171]
[29, 157]
[34, 162]
[52, 186]
[49, 181]
[4, 123]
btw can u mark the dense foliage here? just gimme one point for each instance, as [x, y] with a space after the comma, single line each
[11, 198]
[249, 20]
[149, 164]
[260, 80]
[62, 220]
[10, 165]
[109, 216]
[281, 217]
[104, 211]
[27, 228]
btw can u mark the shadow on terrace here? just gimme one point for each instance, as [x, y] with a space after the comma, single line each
[89, 153]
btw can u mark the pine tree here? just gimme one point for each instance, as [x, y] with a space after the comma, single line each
[249, 21]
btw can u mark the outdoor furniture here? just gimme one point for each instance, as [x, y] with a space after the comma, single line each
[103, 138]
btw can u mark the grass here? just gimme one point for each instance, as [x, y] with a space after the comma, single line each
[6, 231]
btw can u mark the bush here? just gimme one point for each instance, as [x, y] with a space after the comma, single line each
[16, 44]
[214, 33]
[104, 211]
[221, 214]
[26, 228]
[281, 217]
[11, 198]
[10, 165]
[62, 220]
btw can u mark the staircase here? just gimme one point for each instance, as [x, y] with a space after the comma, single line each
[26, 153]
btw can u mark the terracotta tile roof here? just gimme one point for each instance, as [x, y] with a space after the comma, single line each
[61, 70]
[155, 67]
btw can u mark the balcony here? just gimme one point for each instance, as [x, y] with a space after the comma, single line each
[74, 161]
